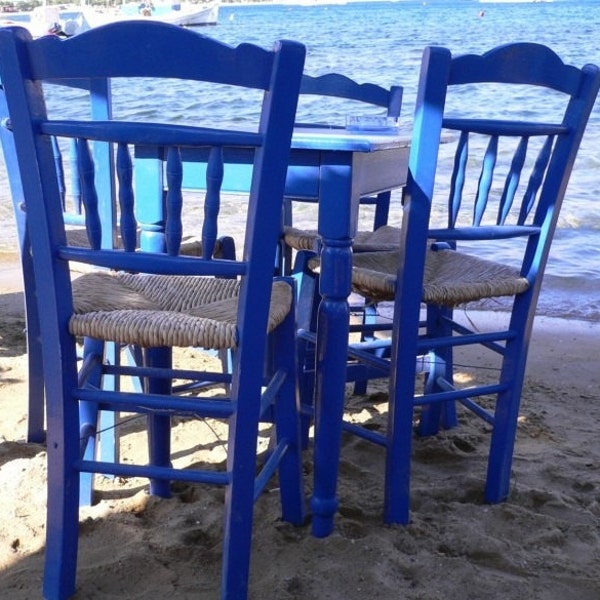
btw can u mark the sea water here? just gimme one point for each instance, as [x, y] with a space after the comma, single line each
[382, 42]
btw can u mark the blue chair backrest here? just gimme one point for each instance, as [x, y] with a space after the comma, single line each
[134, 50]
[510, 173]
[338, 97]
[340, 87]
[502, 205]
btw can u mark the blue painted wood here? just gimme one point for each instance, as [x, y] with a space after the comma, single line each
[526, 205]
[485, 180]
[360, 165]
[435, 69]
[100, 108]
[174, 203]
[36, 431]
[128, 221]
[362, 97]
[161, 51]
[536, 180]
[75, 192]
[356, 96]
[512, 182]
[60, 172]
[339, 86]
[87, 174]
[214, 180]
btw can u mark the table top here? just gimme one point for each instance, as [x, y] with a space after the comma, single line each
[341, 139]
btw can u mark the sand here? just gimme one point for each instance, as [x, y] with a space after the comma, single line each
[542, 543]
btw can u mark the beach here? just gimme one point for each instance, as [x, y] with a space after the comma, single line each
[542, 543]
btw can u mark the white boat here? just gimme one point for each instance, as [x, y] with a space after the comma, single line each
[186, 14]
[69, 20]
[64, 20]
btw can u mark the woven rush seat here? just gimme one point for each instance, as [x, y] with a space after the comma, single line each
[383, 238]
[165, 310]
[450, 277]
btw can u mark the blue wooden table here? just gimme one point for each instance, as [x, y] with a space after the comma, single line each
[349, 166]
[337, 167]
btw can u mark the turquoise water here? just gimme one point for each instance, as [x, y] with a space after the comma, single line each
[383, 42]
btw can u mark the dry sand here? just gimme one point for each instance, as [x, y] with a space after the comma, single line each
[543, 543]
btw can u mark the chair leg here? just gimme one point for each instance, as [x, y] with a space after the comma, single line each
[237, 538]
[399, 445]
[108, 419]
[239, 501]
[306, 385]
[507, 405]
[287, 425]
[436, 415]
[36, 433]
[159, 426]
[62, 524]
[369, 318]
[502, 446]
[402, 388]
[306, 314]
[241, 463]
[90, 376]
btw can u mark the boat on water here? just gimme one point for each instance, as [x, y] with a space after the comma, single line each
[68, 20]
[64, 20]
[186, 14]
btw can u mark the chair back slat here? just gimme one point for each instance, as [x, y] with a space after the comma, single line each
[536, 179]
[457, 179]
[86, 169]
[485, 180]
[75, 190]
[550, 71]
[512, 181]
[174, 201]
[117, 56]
[128, 223]
[60, 171]
[214, 180]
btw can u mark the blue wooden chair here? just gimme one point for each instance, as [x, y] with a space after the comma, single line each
[506, 187]
[157, 301]
[100, 109]
[344, 97]
[74, 217]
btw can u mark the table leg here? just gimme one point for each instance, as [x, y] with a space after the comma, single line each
[336, 227]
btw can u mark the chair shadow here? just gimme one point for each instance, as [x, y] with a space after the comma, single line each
[10, 450]
[134, 545]
[13, 340]
[116, 560]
